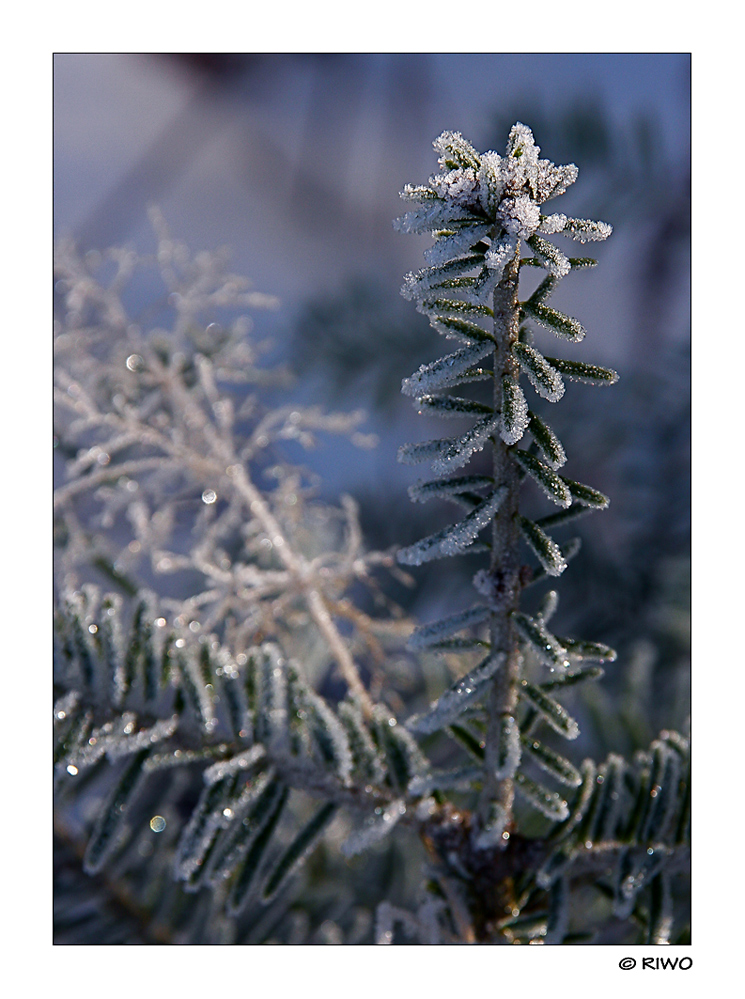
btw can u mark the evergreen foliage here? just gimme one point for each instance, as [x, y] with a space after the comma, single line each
[228, 736]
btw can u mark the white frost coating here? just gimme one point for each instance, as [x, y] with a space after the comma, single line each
[435, 214]
[462, 777]
[551, 483]
[431, 634]
[225, 768]
[491, 835]
[445, 371]
[548, 606]
[453, 307]
[500, 254]
[461, 187]
[491, 182]
[460, 449]
[450, 407]
[192, 679]
[545, 548]
[484, 284]
[272, 717]
[551, 448]
[550, 803]
[544, 378]
[413, 454]
[417, 193]
[547, 646]
[418, 283]
[554, 180]
[421, 491]
[550, 256]
[329, 733]
[522, 158]
[519, 216]
[556, 715]
[374, 829]
[127, 744]
[455, 538]
[509, 748]
[455, 151]
[585, 230]
[552, 223]
[554, 764]
[514, 421]
[457, 244]
[206, 820]
[468, 690]
[458, 328]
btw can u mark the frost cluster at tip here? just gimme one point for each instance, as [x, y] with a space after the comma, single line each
[482, 205]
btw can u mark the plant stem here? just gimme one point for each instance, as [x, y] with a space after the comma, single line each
[504, 568]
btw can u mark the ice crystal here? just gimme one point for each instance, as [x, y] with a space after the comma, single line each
[550, 256]
[414, 454]
[458, 244]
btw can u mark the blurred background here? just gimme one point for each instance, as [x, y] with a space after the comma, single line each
[295, 162]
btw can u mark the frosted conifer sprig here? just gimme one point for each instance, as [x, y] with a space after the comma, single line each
[481, 209]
